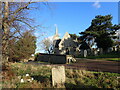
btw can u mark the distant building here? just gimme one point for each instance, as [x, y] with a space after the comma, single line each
[69, 45]
[117, 40]
[118, 36]
[66, 45]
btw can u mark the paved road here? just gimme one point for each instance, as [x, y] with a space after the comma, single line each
[91, 65]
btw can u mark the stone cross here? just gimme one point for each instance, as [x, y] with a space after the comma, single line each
[58, 76]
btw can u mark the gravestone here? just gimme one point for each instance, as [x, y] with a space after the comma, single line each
[85, 53]
[115, 48]
[110, 49]
[58, 76]
[101, 50]
[95, 52]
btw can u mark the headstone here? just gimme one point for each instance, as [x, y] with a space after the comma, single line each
[95, 52]
[58, 76]
[118, 48]
[101, 50]
[109, 49]
[115, 48]
[85, 53]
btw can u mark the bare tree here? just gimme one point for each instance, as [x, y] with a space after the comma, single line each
[14, 20]
[47, 45]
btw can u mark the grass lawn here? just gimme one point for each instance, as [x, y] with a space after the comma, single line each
[42, 78]
[42, 62]
[110, 57]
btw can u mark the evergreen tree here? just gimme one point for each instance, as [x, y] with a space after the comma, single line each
[24, 47]
[102, 30]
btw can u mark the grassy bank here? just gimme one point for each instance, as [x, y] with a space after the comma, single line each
[42, 78]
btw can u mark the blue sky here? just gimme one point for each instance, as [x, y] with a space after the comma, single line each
[72, 17]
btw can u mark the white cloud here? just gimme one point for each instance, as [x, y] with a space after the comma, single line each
[97, 4]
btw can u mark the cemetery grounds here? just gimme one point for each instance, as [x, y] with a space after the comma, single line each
[22, 75]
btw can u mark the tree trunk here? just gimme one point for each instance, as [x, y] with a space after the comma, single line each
[0, 36]
[5, 39]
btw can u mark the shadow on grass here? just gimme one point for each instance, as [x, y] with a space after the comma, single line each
[70, 86]
[46, 82]
[114, 60]
[41, 79]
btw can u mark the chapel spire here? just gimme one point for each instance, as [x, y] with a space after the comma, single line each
[56, 30]
[56, 36]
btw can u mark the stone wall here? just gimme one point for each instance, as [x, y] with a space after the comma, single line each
[52, 58]
[55, 58]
